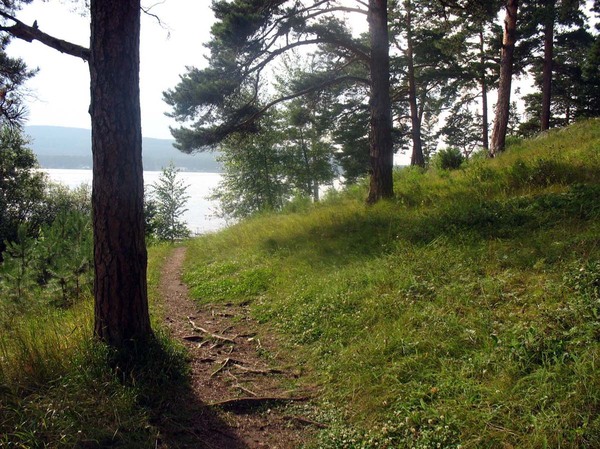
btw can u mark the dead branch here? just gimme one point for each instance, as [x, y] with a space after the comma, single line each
[32, 33]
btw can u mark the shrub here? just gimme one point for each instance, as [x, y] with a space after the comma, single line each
[447, 159]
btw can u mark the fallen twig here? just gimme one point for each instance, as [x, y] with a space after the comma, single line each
[245, 390]
[223, 365]
[226, 329]
[204, 331]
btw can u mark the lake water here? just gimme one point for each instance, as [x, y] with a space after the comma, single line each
[198, 217]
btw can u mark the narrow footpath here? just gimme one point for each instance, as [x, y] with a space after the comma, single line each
[242, 393]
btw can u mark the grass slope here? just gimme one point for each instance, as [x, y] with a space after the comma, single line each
[464, 313]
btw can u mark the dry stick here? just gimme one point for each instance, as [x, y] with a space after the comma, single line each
[226, 329]
[238, 364]
[223, 365]
[230, 374]
[215, 336]
[245, 390]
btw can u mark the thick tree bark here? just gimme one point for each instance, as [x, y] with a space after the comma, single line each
[381, 149]
[417, 157]
[484, 99]
[547, 70]
[498, 140]
[121, 305]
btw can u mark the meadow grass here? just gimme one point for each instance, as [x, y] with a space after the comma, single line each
[59, 388]
[463, 313]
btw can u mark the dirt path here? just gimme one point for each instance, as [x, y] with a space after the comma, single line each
[229, 361]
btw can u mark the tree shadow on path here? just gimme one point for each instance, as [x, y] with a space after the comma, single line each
[159, 375]
[185, 422]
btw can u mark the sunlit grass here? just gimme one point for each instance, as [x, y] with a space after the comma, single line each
[59, 388]
[464, 312]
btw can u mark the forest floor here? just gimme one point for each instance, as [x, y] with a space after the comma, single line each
[242, 391]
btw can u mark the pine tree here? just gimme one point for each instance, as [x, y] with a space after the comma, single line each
[249, 35]
[170, 198]
[254, 173]
[502, 115]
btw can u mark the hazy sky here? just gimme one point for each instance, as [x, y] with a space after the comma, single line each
[60, 91]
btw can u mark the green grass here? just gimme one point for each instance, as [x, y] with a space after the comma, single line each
[463, 313]
[59, 388]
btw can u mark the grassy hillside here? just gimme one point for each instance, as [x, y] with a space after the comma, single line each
[464, 313]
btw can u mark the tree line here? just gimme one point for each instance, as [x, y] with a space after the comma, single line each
[420, 75]
[362, 97]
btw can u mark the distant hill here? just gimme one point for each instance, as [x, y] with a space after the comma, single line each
[61, 147]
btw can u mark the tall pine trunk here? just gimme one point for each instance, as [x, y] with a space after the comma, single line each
[484, 99]
[547, 69]
[120, 291]
[381, 149]
[417, 157]
[498, 140]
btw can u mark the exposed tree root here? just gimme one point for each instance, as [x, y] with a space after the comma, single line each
[210, 334]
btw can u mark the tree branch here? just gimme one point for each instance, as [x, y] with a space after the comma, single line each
[32, 33]
[300, 93]
[348, 9]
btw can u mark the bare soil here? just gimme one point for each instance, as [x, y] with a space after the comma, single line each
[242, 392]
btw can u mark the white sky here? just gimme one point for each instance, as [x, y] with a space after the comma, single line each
[60, 91]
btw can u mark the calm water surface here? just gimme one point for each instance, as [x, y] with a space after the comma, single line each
[198, 217]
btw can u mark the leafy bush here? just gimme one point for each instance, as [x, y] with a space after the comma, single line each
[447, 159]
[21, 186]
